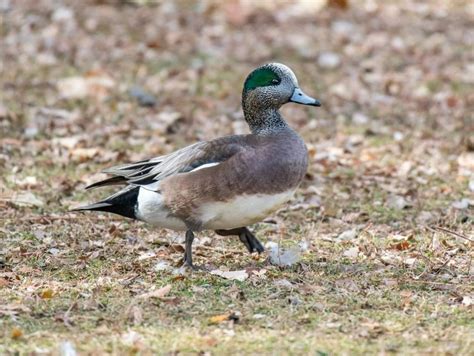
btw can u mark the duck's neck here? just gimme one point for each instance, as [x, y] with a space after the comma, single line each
[264, 121]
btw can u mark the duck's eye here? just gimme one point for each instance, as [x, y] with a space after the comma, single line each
[275, 81]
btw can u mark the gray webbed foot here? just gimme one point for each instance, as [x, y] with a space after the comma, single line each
[247, 238]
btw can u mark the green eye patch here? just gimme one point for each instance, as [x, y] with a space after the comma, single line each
[261, 78]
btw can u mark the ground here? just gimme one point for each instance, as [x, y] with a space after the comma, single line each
[381, 229]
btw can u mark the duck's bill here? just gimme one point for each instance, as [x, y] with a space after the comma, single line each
[301, 98]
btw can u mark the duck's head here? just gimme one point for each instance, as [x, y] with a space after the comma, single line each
[266, 89]
[271, 86]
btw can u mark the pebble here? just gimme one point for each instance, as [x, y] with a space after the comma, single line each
[144, 98]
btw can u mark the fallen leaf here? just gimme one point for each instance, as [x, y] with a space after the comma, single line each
[347, 235]
[146, 255]
[4, 112]
[67, 142]
[466, 161]
[259, 273]
[161, 266]
[236, 12]
[83, 154]
[135, 314]
[210, 341]
[397, 202]
[353, 252]
[390, 282]
[27, 182]
[217, 319]
[241, 275]
[471, 184]
[390, 258]
[27, 199]
[13, 309]
[341, 4]
[132, 338]
[16, 333]
[404, 168]
[467, 300]
[46, 293]
[371, 329]
[93, 84]
[159, 293]
[3, 282]
[401, 246]
[283, 283]
[409, 261]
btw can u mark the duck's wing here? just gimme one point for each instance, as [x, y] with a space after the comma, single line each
[193, 157]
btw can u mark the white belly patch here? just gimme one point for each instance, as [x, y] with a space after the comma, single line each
[241, 211]
[151, 210]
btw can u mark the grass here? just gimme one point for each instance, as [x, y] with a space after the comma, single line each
[328, 303]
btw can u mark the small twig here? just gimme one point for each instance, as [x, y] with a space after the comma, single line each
[427, 266]
[438, 269]
[167, 243]
[432, 282]
[218, 249]
[367, 227]
[454, 233]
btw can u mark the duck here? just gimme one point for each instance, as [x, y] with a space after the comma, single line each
[225, 184]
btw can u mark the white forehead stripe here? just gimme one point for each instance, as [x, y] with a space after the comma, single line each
[287, 71]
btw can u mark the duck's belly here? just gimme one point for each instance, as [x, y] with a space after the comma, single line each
[241, 211]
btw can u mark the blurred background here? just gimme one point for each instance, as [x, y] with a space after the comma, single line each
[382, 224]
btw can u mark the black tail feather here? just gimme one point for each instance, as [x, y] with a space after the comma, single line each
[123, 203]
[108, 181]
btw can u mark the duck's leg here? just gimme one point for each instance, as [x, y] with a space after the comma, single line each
[255, 244]
[247, 238]
[188, 249]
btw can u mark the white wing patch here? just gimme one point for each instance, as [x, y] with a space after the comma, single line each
[155, 186]
[207, 165]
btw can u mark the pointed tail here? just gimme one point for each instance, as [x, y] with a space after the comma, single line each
[122, 203]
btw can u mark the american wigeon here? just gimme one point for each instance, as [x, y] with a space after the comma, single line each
[224, 184]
